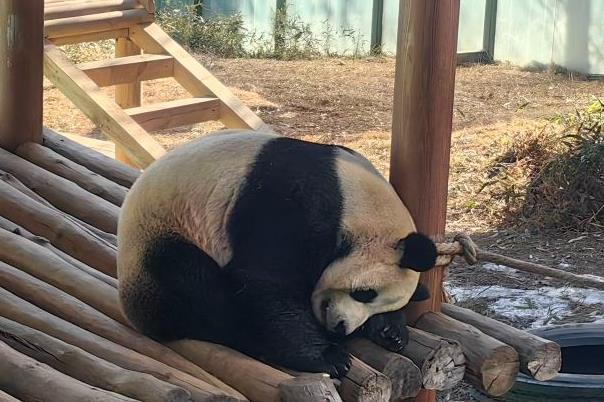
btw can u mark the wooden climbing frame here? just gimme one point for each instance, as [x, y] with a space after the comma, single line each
[143, 52]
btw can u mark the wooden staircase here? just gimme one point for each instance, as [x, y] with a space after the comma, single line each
[143, 52]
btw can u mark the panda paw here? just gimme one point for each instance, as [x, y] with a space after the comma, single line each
[389, 330]
[337, 361]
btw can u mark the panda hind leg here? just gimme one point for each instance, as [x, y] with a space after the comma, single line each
[181, 293]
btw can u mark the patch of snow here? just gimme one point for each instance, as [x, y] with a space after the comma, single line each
[537, 306]
[489, 266]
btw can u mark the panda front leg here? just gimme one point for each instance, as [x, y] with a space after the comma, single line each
[280, 328]
[389, 330]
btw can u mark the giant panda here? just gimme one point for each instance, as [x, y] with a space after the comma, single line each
[277, 247]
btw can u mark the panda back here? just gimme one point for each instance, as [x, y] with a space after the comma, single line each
[189, 192]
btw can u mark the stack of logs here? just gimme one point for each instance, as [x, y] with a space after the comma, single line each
[63, 336]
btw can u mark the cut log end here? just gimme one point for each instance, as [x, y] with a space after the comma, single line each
[365, 384]
[441, 360]
[499, 370]
[546, 362]
[444, 368]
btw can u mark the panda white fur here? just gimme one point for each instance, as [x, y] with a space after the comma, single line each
[273, 246]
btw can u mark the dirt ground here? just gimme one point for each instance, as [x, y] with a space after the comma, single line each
[349, 102]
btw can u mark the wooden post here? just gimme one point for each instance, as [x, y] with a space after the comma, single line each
[127, 95]
[21, 36]
[421, 124]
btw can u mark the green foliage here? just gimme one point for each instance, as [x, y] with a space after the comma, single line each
[226, 35]
[222, 36]
[555, 179]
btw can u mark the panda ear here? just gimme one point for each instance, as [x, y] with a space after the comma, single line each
[421, 293]
[419, 252]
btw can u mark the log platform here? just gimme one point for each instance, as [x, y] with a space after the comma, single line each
[60, 319]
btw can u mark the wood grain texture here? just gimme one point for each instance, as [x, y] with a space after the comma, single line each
[23, 312]
[539, 358]
[31, 380]
[55, 163]
[21, 72]
[491, 365]
[85, 367]
[94, 161]
[421, 124]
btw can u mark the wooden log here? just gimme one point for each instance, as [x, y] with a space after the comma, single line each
[4, 397]
[41, 241]
[422, 120]
[25, 313]
[255, 380]
[96, 184]
[108, 238]
[491, 365]
[309, 388]
[61, 232]
[440, 360]
[540, 358]
[91, 23]
[94, 161]
[67, 307]
[404, 375]
[21, 72]
[85, 367]
[30, 380]
[62, 193]
[127, 95]
[362, 383]
[43, 264]
[54, 11]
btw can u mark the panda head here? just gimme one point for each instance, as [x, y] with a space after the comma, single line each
[371, 276]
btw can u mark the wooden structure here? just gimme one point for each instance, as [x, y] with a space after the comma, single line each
[63, 336]
[143, 52]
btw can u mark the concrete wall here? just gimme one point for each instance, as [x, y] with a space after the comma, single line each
[539, 33]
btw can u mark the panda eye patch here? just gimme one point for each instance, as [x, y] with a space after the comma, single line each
[364, 295]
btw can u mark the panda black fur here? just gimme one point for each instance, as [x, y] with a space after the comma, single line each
[273, 246]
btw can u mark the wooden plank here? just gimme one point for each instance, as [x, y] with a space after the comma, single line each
[129, 69]
[421, 125]
[20, 72]
[127, 95]
[55, 11]
[176, 113]
[149, 5]
[195, 78]
[91, 37]
[89, 98]
[86, 24]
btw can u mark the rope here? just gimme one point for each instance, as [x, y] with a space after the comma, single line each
[464, 246]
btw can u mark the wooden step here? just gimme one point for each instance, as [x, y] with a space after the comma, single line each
[129, 69]
[95, 23]
[53, 11]
[181, 112]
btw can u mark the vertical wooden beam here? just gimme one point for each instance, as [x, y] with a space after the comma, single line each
[127, 95]
[422, 121]
[21, 71]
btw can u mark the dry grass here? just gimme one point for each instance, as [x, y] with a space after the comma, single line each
[348, 102]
